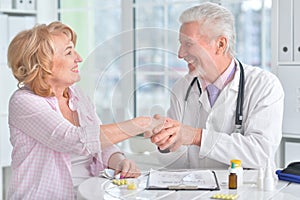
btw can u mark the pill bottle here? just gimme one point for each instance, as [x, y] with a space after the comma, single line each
[260, 179]
[239, 170]
[269, 179]
[233, 178]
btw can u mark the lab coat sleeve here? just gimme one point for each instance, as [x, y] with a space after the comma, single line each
[262, 127]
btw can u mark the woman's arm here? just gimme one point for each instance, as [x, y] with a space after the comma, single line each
[117, 132]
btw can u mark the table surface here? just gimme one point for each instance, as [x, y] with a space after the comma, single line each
[101, 188]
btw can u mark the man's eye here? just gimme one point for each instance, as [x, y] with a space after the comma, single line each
[69, 53]
[188, 44]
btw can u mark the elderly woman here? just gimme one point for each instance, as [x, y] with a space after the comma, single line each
[57, 137]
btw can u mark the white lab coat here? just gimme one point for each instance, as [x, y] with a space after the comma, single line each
[261, 128]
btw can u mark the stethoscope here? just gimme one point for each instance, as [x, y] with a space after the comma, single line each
[240, 98]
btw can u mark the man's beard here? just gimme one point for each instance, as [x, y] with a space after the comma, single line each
[197, 71]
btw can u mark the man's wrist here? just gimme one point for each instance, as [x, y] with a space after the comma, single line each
[197, 137]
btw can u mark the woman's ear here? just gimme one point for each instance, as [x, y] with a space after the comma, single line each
[221, 45]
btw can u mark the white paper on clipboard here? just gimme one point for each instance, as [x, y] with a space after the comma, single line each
[183, 180]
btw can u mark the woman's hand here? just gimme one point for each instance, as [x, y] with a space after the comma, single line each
[127, 169]
[123, 166]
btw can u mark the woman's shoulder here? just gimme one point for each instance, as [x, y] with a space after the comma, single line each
[23, 98]
[23, 93]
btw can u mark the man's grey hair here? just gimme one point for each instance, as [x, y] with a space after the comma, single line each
[215, 21]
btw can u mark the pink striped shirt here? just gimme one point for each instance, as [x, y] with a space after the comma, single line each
[43, 142]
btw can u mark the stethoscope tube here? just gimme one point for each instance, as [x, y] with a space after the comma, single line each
[240, 99]
[195, 79]
[190, 87]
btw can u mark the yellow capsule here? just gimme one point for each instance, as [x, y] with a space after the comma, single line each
[131, 186]
[119, 182]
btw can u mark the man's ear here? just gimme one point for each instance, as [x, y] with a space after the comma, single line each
[221, 44]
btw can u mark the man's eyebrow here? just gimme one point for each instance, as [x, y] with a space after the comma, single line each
[185, 39]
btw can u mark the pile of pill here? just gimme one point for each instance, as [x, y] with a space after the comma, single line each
[120, 182]
[225, 196]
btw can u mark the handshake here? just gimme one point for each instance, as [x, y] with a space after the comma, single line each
[169, 134]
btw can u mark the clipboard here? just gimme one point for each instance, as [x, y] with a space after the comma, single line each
[182, 180]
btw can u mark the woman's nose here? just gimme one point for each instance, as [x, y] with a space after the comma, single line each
[78, 58]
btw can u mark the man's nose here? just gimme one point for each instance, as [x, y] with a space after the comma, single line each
[181, 52]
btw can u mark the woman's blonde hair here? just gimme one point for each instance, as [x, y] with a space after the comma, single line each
[30, 56]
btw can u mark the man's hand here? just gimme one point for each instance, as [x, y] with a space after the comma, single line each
[172, 134]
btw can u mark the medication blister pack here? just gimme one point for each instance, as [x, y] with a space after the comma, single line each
[225, 196]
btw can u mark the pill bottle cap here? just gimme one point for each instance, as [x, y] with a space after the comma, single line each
[238, 163]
